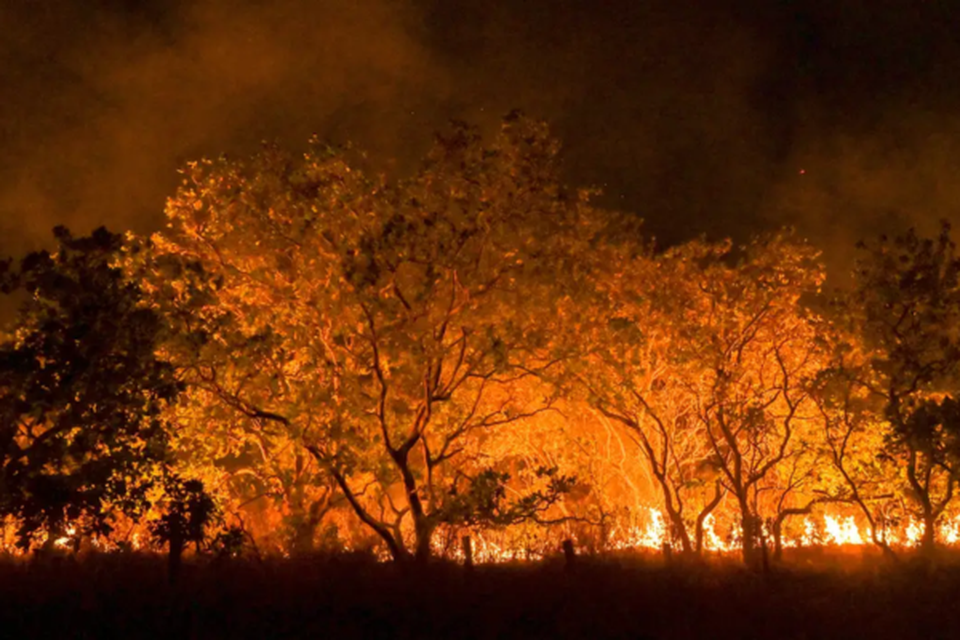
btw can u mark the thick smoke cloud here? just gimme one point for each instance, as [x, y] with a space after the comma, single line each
[723, 118]
[106, 103]
[855, 185]
[836, 118]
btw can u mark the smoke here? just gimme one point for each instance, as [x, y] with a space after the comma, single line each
[698, 117]
[838, 188]
[877, 138]
[108, 103]
[657, 103]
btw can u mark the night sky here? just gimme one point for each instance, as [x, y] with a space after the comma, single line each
[718, 117]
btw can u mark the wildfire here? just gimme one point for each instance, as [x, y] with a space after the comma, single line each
[652, 536]
[840, 531]
[64, 541]
[827, 530]
[492, 547]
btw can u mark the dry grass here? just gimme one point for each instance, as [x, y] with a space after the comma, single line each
[129, 596]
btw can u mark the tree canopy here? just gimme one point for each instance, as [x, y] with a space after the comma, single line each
[82, 392]
[329, 357]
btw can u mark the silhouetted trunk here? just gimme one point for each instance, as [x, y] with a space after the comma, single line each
[306, 523]
[778, 529]
[920, 483]
[423, 525]
[395, 546]
[175, 547]
[424, 535]
[303, 534]
[678, 529]
[704, 514]
[880, 543]
[778, 538]
[764, 551]
[569, 555]
[667, 552]
[928, 542]
[467, 546]
[748, 536]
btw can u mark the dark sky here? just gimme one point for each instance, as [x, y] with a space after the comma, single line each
[722, 117]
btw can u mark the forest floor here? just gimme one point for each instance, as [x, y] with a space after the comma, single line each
[813, 596]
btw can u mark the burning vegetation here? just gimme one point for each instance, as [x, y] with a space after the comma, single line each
[311, 357]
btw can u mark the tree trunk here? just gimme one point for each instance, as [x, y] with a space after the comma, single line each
[175, 547]
[778, 539]
[928, 543]
[423, 529]
[880, 543]
[702, 517]
[303, 533]
[748, 536]
[422, 525]
[778, 528]
[764, 555]
[928, 540]
[678, 529]
[569, 554]
[394, 544]
[467, 546]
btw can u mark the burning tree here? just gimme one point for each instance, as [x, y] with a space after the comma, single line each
[632, 376]
[853, 437]
[747, 354]
[905, 310]
[382, 329]
[707, 366]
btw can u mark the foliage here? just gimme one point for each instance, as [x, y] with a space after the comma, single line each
[481, 501]
[189, 511]
[82, 395]
[384, 329]
[349, 360]
[905, 311]
[709, 372]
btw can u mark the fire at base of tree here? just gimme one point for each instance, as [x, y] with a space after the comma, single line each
[470, 362]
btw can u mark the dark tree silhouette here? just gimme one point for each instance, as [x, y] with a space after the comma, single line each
[906, 309]
[189, 511]
[81, 392]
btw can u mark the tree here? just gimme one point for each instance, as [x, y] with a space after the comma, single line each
[905, 309]
[755, 347]
[632, 372]
[853, 437]
[384, 329]
[263, 479]
[707, 365]
[189, 511]
[82, 396]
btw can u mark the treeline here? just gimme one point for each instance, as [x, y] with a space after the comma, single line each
[310, 355]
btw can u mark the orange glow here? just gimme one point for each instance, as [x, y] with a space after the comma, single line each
[825, 531]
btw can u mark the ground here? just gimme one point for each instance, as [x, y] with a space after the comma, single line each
[130, 596]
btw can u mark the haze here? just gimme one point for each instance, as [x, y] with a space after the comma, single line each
[839, 118]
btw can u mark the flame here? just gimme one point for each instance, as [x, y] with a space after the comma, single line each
[826, 530]
[829, 529]
[711, 540]
[912, 534]
[840, 531]
[950, 532]
[64, 541]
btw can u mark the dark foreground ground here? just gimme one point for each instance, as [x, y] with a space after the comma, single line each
[128, 596]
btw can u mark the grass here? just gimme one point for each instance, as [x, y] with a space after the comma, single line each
[129, 596]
